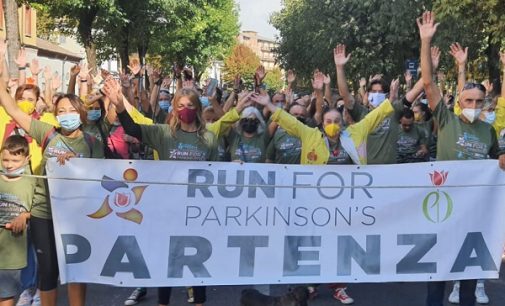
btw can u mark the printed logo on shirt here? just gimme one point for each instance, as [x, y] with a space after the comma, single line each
[248, 153]
[437, 205]
[121, 198]
[469, 146]
[57, 149]
[383, 127]
[291, 146]
[187, 151]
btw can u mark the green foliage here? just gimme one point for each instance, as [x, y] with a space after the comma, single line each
[274, 80]
[381, 35]
[242, 61]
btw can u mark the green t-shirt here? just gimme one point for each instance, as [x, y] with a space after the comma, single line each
[92, 129]
[58, 145]
[13, 250]
[182, 146]
[381, 143]
[409, 143]
[431, 137]
[338, 155]
[284, 148]
[248, 149]
[458, 140]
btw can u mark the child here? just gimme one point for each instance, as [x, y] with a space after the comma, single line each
[16, 195]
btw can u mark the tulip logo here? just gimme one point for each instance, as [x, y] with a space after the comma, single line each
[121, 198]
[437, 205]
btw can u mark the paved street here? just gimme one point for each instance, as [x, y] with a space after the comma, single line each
[391, 294]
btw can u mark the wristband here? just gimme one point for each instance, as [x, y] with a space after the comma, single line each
[84, 81]
[22, 68]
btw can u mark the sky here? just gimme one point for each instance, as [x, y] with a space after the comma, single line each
[254, 16]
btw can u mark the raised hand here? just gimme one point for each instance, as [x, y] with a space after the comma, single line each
[13, 83]
[84, 72]
[124, 79]
[339, 55]
[318, 80]
[435, 57]
[135, 67]
[502, 58]
[488, 85]
[427, 26]
[362, 82]
[291, 76]
[326, 79]
[112, 90]
[261, 99]
[408, 76]
[260, 74]
[21, 59]
[244, 101]
[393, 90]
[35, 69]
[167, 82]
[459, 54]
[47, 75]
[74, 71]
[55, 81]
[188, 84]
[375, 77]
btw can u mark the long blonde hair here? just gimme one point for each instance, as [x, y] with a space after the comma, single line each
[173, 119]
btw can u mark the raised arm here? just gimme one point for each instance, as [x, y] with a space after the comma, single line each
[22, 64]
[11, 107]
[35, 71]
[327, 87]
[317, 85]
[427, 29]
[460, 56]
[341, 59]
[83, 80]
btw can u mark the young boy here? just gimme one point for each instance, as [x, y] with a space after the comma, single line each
[16, 195]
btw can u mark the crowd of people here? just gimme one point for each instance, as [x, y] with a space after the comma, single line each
[175, 118]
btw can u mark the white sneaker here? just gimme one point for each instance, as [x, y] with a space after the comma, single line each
[36, 299]
[25, 299]
[480, 294]
[454, 296]
[341, 295]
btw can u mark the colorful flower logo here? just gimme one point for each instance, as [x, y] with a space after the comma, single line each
[121, 199]
[435, 209]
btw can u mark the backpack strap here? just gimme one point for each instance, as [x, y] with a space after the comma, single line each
[47, 138]
[90, 141]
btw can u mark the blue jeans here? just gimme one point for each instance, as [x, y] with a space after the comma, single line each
[29, 273]
[466, 293]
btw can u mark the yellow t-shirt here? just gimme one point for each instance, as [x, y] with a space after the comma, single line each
[35, 149]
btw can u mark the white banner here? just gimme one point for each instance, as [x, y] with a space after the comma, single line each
[162, 223]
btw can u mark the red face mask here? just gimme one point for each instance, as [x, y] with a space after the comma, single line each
[187, 115]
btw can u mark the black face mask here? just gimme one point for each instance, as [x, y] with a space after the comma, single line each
[301, 119]
[249, 126]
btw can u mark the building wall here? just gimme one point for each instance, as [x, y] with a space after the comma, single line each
[262, 47]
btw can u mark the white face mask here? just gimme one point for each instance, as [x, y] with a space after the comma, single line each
[471, 114]
[376, 98]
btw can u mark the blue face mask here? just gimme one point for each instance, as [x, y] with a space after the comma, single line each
[205, 101]
[14, 173]
[69, 122]
[490, 117]
[164, 105]
[94, 114]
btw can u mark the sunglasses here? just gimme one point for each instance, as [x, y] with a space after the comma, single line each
[474, 85]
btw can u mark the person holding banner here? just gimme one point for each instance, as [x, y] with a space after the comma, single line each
[460, 137]
[183, 137]
[64, 143]
[16, 194]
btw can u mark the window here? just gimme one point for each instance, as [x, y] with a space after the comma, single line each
[28, 21]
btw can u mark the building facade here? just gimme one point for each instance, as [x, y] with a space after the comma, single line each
[263, 47]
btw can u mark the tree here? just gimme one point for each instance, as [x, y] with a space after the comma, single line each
[380, 34]
[274, 80]
[480, 25]
[242, 61]
[10, 8]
